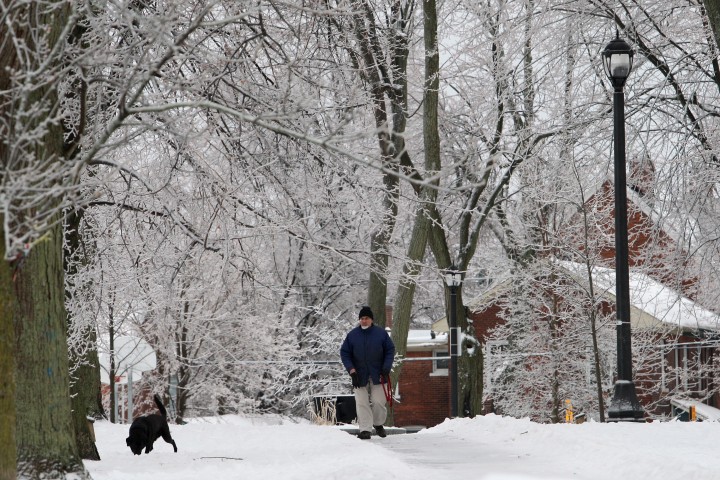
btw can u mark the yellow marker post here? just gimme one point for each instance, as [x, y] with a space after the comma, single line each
[693, 413]
[568, 411]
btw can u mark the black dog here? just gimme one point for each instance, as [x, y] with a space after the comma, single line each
[145, 430]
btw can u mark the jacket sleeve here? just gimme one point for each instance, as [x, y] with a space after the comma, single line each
[346, 354]
[389, 348]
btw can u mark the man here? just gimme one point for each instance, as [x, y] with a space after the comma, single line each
[367, 354]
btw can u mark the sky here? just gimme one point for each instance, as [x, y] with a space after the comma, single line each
[490, 447]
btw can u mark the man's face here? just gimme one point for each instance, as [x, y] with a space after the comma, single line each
[365, 322]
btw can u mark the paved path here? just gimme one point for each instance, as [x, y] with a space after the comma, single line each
[472, 458]
[433, 452]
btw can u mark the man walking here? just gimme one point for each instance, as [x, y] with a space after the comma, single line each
[367, 354]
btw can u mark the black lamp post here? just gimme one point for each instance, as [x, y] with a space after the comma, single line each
[624, 406]
[453, 278]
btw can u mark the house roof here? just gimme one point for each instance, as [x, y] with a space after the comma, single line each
[669, 220]
[425, 339]
[653, 306]
[651, 302]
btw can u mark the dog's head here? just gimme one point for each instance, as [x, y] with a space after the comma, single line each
[138, 435]
[135, 444]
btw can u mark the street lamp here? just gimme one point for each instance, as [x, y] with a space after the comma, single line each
[624, 406]
[453, 278]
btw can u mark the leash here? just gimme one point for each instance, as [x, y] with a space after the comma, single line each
[387, 389]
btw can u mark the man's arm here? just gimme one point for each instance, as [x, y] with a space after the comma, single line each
[389, 348]
[346, 356]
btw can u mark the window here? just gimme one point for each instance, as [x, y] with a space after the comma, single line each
[441, 365]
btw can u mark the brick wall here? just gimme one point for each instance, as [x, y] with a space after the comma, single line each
[424, 399]
[648, 245]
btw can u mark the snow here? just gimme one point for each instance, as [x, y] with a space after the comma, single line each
[485, 448]
[653, 298]
[703, 411]
[419, 339]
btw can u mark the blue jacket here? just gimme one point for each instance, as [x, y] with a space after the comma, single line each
[369, 352]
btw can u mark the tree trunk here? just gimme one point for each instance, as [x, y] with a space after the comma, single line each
[470, 364]
[8, 454]
[406, 290]
[712, 7]
[44, 436]
[85, 386]
[366, 35]
[85, 391]
[428, 193]
[7, 365]
[45, 433]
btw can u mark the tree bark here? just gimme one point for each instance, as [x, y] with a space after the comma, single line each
[712, 7]
[368, 43]
[85, 387]
[470, 364]
[45, 432]
[8, 58]
[8, 450]
[85, 391]
[44, 435]
[428, 193]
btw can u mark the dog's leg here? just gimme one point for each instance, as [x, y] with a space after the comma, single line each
[168, 438]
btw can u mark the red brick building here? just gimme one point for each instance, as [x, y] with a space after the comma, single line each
[423, 389]
[661, 296]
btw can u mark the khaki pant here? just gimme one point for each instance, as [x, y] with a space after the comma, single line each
[370, 406]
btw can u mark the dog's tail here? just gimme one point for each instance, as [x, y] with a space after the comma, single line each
[160, 405]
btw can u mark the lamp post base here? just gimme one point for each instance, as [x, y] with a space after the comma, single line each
[624, 406]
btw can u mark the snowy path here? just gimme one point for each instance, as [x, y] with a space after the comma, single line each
[437, 453]
[484, 448]
[497, 448]
[433, 453]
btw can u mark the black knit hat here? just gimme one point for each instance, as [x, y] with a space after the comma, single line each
[366, 312]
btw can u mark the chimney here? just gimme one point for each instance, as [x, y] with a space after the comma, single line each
[388, 316]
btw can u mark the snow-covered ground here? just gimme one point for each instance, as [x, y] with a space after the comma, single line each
[487, 448]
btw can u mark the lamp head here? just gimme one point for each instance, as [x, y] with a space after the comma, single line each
[453, 277]
[618, 61]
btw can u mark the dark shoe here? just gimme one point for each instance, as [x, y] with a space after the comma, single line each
[380, 430]
[364, 435]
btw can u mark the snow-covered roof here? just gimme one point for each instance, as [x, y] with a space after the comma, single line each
[675, 224]
[652, 304]
[669, 222]
[425, 339]
[650, 301]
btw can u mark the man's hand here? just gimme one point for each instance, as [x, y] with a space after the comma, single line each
[386, 374]
[355, 379]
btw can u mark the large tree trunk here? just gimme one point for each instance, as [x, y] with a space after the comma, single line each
[7, 366]
[470, 364]
[7, 330]
[85, 391]
[366, 34]
[85, 386]
[712, 7]
[45, 434]
[428, 193]
[8, 59]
